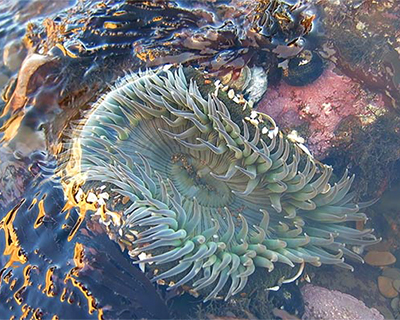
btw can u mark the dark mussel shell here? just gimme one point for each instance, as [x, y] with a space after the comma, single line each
[303, 71]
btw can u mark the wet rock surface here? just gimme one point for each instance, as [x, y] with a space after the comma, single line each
[324, 304]
[379, 258]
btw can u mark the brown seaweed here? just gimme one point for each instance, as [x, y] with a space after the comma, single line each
[46, 276]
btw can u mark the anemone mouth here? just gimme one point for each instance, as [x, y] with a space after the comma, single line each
[210, 197]
[192, 178]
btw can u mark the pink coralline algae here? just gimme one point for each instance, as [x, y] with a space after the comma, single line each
[320, 107]
[324, 304]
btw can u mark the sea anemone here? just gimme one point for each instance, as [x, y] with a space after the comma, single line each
[206, 192]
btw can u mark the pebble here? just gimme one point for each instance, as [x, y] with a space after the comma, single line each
[395, 303]
[392, 273]
[396, 285]
[378, 258]
[385, 286]
[380, 246]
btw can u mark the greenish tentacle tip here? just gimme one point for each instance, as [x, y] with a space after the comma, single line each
[210, 198]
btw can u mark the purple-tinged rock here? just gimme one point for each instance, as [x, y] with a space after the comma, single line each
[325, 304]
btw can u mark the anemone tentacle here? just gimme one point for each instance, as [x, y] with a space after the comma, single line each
[212, 197]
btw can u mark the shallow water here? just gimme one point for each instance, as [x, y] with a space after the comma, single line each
[326, 71]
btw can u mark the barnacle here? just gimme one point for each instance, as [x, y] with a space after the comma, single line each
[210, 197]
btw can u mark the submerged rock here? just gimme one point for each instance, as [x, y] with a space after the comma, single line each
[385, 286]
[325, 304]
[378, 258]
[318, 111]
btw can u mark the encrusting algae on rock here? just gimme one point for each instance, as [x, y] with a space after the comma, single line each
[204, 197]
